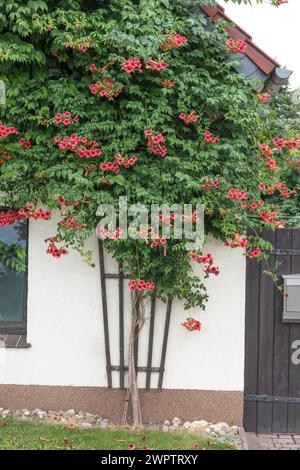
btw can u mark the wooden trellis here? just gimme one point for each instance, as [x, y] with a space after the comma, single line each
[122, 367]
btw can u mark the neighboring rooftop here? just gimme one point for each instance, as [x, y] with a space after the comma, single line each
[256, 63]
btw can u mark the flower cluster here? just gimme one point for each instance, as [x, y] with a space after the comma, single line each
[38, 214]
[207, 260]
[192, 117]
[271, 218]
[81, 146]
[110, 166]
[212, 270]
[201, 259]
[65, 119]
[107, 88]
[126, 163]
[264, 97]
[291, 144]
[141, 286]
[236, 46]
[132, 65]
[280, 143]
[209, 138]
[271, 164]
[26, 144]
[281, 187]
[167, 217]
[191, 324]
[155, 238]
[156, 64]
[71, 224]
[156, 143]
[280, 2]
[254, 206]
[255, 253]
[266, 150]
[238, 241]
[236, 194]
[168, 84]
[6, 131]
[53, 249]
[173, 41]
[120, 161]
[209, 185]
[103, 233]
[10, 217]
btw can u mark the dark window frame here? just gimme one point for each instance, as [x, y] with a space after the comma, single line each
[18, 327]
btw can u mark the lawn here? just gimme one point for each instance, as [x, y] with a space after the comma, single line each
[21, 435]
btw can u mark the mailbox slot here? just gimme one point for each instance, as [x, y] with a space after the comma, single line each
[291, 305]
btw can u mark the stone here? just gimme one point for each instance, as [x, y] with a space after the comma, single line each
[104, 423]
[221, 428]
[42, 414]
[165, 428]
[197, 428]
[235, 429]
[89, 418]
[186, 425]
[176, 422]
[6, 413]
[71, 412]
[86, 425]
[27, 414]
[167, 423]
[198, 425]
[204, 423]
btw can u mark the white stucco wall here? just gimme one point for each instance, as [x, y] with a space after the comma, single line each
[65, 325]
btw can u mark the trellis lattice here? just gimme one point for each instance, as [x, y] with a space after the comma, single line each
[148, 369]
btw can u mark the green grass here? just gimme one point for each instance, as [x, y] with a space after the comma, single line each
[22, 435]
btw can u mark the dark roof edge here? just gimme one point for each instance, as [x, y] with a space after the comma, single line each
[277, 76]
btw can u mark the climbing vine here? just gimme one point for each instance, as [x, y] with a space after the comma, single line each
[136, 98]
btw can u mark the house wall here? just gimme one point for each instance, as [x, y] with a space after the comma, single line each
[65, 329]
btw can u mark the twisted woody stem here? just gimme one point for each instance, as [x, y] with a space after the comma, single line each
[132, 395]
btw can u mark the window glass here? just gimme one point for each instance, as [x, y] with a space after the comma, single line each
[12, 283]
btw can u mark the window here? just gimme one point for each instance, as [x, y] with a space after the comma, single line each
[13, 285]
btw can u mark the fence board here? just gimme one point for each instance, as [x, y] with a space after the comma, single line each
[265, 343]
[272, 381]
[281, 339]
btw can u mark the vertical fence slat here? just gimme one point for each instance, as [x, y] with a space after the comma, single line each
[281, 339]
[150, 344]
[121, 324]
[266, 343]
[251, 342]
[165, 343]
[105, 316]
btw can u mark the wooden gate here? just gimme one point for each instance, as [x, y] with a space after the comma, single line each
[272, 354]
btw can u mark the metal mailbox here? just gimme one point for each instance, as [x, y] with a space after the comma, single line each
[291, 305]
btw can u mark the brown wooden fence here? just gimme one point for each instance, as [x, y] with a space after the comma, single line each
[272, 378]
